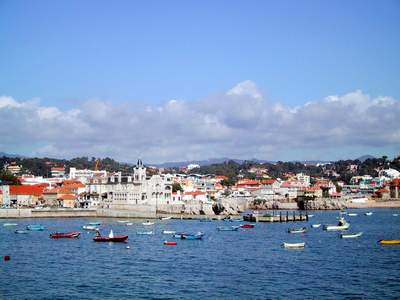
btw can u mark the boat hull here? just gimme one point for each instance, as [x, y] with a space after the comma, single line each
[115, 239]
[35, 227]
[65, 235]
[231, 228]
[389, 242]
[294, 245]
[351, 236]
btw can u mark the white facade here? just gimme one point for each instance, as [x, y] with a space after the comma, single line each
[85, 175]
[303, 179]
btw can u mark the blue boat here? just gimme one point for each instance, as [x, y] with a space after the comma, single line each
[189, 236]
[35, 227]
[94, 223]
[228, 228]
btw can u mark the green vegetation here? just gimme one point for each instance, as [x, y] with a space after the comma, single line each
[7, 177]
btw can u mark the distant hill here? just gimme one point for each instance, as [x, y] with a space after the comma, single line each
[207, 162]
[9, 155]
[365, 157]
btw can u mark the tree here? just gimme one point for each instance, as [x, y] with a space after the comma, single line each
[176, 187]
[8, 177]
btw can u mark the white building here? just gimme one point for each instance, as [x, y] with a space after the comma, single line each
[303, 179]
[57, 172]
[85, 175]
[192, 166]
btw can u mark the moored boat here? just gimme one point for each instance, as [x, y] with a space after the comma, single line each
[395, 215]
[94, 223]
[294, 245]
[228, 228]
[297, 230]
[169, 232]
[205, 220]
[369, 213]
[247, 226]
[9, 224]
[389, 242]
[316, 225]
[310, 216]
[351, 236]
[166, 218]
[148, 223]
[68, 235]
[21, 231]
[35, 227]
[189, 236]
[123, 221]
[342, 225]
[110, 238]
[129, 224]
[144, 232]
[170, 243]
[352, 214]
[90, 227]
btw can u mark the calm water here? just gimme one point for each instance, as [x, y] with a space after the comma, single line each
[225, 265]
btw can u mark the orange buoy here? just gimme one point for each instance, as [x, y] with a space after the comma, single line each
[170, 243]
[7, 257]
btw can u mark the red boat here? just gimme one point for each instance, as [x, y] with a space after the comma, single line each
[116, 238]
[170, 243]
[68, 235]
[247, 226]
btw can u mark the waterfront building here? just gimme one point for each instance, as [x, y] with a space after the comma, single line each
[57, 172]
[85, 175]
[25, 195]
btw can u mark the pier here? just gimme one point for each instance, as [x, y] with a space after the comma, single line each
[282, 217]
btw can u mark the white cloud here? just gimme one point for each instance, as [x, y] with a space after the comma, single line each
[238, 123]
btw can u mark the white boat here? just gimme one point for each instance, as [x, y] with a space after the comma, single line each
[316, 225]
[169, 232]
[89, 227]
[111, 234]
[10, 224]
[166, 218]
[310, 216]
[294, 245]
[352, 215]
[148, 223]
[351, 236]
[297, 230]
[123, 221]
[342, 225]
[368, 213]
[145, 232]
[395, 215]
[129, 224]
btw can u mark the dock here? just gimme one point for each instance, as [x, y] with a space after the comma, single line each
[282, 217]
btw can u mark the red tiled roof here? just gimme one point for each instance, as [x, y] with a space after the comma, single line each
[67, 197]
[71, 181]
[382, 190]
[248, 182]
[58, 169]
[268, 181]
[26, 190]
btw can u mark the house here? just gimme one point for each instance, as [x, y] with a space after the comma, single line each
[394, 186]
[57, 172]
[383, 193]
[25, 195]
[68, 200]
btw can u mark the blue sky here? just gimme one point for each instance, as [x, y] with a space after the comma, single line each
[149, 52]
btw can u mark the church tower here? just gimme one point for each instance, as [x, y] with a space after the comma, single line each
[139, 172]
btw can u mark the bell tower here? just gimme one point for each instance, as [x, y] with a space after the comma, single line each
[139, 172]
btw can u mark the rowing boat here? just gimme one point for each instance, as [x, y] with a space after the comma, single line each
[297, 230]
[144, 232]
[389, 242]
[342, 225]
[228, 228]
[10, 224]
[316, 225]
[148, 223]
[294, 245]
[69, 235]
[169, 232]
[351, 236]
[89, 227]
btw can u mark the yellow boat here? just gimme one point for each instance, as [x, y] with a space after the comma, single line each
[389, 242]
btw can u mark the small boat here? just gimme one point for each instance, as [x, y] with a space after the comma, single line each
[90, 227]
[144, 232]
[189, 236]
[148, 223]
[94, 223]
[166, 218]
[395, 215]
[205, 220]
[297, 230]
[342, 225]
[369, 213]
[310, 216]
[167, 243]
[351, 236]
[228, 228]
[247, 226]
[316, 225]
[169, 232]
[342, 212]
[21, 231]
[123, 221]
[9, 224]
[129, 224]
[35, 227]
[389, 242]
[352, 214]
[68, 235]
[110, 238]
[293, 245]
